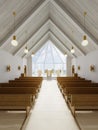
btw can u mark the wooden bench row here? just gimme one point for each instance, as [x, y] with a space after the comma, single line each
[65, 80]
[19, 95]
[79, 94]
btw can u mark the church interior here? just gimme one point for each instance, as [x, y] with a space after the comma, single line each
[48, 65]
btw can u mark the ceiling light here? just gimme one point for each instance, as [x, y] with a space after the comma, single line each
[72, 50]
[14, 41]
[85, 41]
[65, 54]
[32, 54]
[26, 50]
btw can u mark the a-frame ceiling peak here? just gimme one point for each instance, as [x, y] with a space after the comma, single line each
[48, 19]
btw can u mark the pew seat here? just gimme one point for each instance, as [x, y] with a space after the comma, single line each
[17, 98]
[83, 102]
[82, 98]
[16, 102]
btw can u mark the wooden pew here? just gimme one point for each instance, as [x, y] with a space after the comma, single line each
[25, 80]
[82, 98]
[23, 83]
[28, 79]
[37, 83]
[80, 94]
[76, 85]
[18, 93]
[26, 84]
[16, 98]
[73, 83]
[69, 79]
[4, 84]
[62, 83]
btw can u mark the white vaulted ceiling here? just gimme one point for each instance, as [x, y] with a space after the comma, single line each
[38, 21]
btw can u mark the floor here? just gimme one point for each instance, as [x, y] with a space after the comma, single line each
[49, 113]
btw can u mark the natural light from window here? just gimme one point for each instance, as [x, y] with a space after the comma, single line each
[49, 60]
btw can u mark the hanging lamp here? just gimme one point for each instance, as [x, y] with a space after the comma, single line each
[85, 41]
[14, 42]
[72, 50]
[65, 54]
[32, 54]
[26, 50]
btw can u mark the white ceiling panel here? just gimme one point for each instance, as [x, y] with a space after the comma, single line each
[37, 21]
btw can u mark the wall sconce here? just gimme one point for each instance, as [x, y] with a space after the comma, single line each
[78, 67]
[92, 68]
[8, 68]
[19, 67]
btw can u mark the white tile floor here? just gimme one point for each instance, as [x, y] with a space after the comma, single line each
[50, 111]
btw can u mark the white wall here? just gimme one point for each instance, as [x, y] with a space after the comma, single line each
[14, 61]
[85, 62]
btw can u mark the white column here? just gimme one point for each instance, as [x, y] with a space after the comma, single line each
[68, 66]
[29, 66]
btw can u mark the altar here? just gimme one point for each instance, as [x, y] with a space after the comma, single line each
[49, 73]
[52, 73]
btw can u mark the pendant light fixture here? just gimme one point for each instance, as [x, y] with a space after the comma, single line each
[26, 50]
[65, 54]
[32, 54]
[14, 41]
[72, 50]
[85, 41]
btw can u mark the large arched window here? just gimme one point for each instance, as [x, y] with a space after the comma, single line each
[49, 58]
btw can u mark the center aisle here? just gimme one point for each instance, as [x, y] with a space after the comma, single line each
[50, 111]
